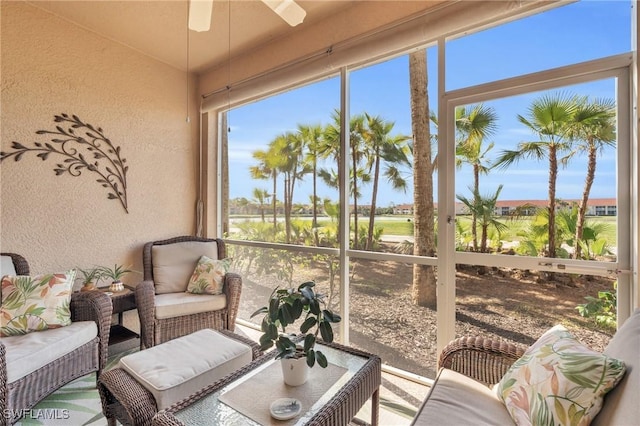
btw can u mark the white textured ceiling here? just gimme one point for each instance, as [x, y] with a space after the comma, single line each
[159, 28]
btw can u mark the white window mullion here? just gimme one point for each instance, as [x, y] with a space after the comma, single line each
[446, 284]
[343, 237]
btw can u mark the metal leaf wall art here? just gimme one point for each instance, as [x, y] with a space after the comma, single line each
[82, 147]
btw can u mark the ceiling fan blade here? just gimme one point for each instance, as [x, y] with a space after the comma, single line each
[288, 10]
[200, 15]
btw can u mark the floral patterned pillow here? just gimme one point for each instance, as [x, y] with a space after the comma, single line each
[208, 277]
[35, 303]
[558, 381]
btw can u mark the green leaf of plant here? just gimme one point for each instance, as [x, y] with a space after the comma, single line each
[322, 360]
[309, 342]
[306, 284]
[326, 331]
[314, 306]
[265, 342]
[296, 309]
[311, 358]
[272, 331]
[262, 310]
[308, 293]
[273, 309]
[284, 315]
[331, 316]
[307, 324]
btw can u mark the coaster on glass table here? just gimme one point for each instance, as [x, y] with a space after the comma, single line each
[285, 408]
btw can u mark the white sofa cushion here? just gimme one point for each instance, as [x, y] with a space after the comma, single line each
[178, 368]
[455, 399]
[178, 304]
[29, 352]
[6, 266]
[173, 264]
[621, 405]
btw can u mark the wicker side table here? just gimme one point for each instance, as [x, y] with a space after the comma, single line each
[125, 400]
[121, 301]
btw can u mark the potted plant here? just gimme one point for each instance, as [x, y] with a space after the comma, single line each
[89, 278]
[116, 273]
[285, 307]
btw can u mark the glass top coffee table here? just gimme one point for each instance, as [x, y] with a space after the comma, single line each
[331, 396]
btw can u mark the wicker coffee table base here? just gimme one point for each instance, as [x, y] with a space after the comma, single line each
[339, 411]
[125, 400]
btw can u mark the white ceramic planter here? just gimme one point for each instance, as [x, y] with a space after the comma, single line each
[295, 371]
[116, 286]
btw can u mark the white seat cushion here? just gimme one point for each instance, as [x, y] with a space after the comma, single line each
[27, 353]
[621, 405]
[178, 368]
[456, 399]
[6, 266]
[173, 264]
[173, 305]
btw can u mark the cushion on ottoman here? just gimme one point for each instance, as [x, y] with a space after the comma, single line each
[180, 367]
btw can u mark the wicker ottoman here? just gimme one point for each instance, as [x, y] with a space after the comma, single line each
[148, 381]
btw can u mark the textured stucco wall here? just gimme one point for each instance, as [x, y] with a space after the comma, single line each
[49, 67]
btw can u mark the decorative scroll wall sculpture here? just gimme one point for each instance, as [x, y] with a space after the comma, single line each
[82, 146]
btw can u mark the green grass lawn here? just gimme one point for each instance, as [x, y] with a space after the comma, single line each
[403, 225]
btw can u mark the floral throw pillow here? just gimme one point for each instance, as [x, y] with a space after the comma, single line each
[35, 303]
[558, 381]
[208, 277]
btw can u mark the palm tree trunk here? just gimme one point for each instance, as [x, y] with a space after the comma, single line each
[275, 188]
[287, 209]
[423, 290]
[553, 175]
[354, 164]
[582, 208]
[476, 200]
[314, 222]
[372, 213]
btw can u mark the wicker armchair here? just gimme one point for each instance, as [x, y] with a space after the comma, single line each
[156, 329]
[23, 393]
[482, 359]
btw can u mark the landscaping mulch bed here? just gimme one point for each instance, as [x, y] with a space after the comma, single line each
[499, 302]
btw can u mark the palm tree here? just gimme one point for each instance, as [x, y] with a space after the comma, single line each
[390, 149]
[484, 208]
[549, 118]
[312, 139]
[593, 129]
[423, 291]
[267, 168]
[290, 149]
[260, 196]
[473, 125]
[330, 148]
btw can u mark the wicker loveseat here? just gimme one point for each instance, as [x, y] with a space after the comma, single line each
[461, 395]
[35, 365]
[165, 308]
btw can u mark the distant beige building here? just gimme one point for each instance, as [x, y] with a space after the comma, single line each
[595, 207]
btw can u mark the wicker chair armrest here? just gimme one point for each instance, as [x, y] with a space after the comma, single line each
[482, 359]
[233, 290]
[94, 306]
[3, 379]
[19, 263]
[146, 304]
[138, 404]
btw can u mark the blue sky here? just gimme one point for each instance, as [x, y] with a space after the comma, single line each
[570, 34]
